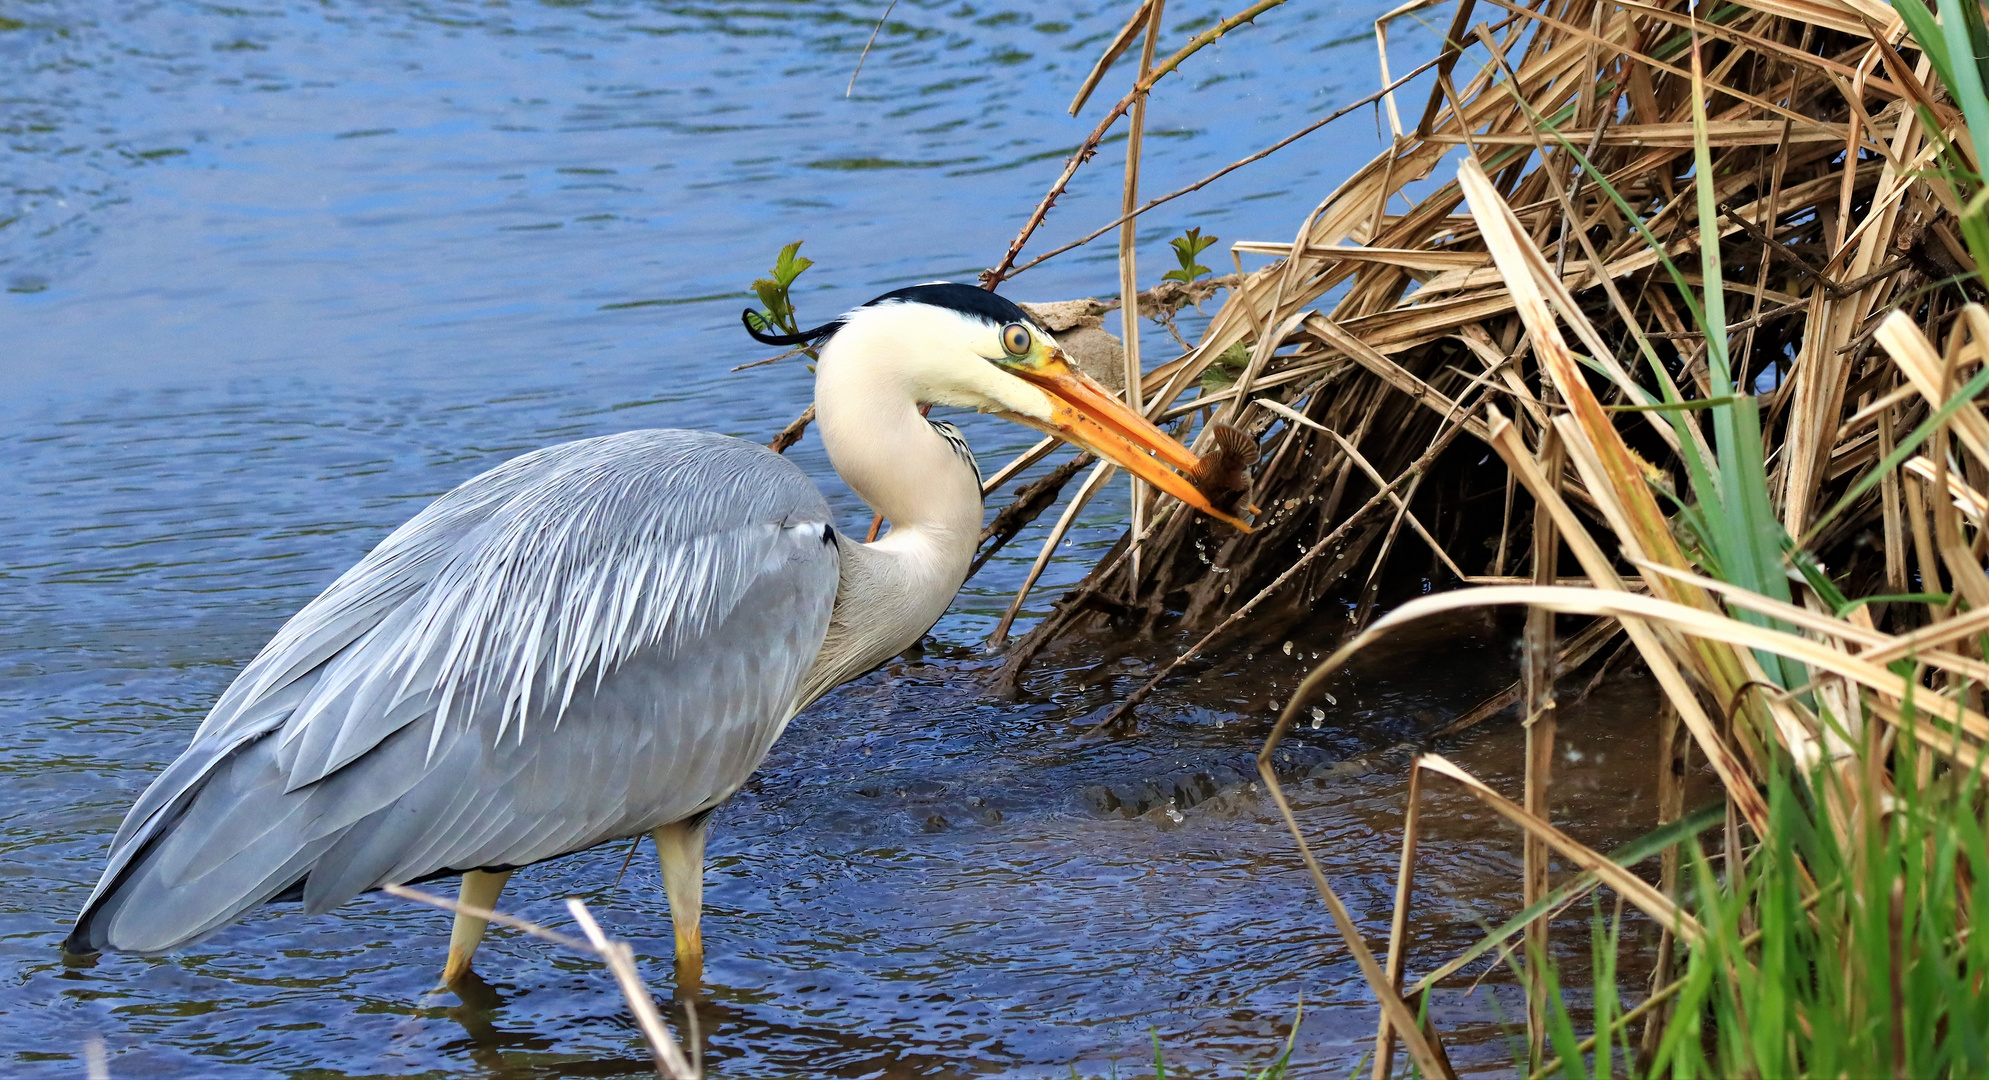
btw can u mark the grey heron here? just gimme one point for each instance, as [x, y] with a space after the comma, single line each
[597, 640]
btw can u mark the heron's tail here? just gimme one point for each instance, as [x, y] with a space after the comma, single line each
[228, 840]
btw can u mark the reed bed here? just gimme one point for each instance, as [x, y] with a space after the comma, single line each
[1387, 323]
[1692, 297]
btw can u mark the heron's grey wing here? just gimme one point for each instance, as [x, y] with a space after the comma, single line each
[289, 667]
[589, 640]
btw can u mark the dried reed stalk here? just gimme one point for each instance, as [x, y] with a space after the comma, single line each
[618, 956]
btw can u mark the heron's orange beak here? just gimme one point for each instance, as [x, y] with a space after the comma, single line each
[1086, 414]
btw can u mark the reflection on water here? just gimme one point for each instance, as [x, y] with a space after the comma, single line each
[278, 273]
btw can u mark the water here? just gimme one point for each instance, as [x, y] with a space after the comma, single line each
[278, 274]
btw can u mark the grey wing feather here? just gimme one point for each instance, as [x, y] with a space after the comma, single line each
[587, 641]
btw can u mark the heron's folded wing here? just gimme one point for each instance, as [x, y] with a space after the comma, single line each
[286, 671]
[499, 602]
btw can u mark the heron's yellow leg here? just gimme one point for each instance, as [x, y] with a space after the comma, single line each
[480, 890]
[680, 849]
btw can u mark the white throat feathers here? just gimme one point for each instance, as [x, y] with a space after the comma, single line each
[882, 364]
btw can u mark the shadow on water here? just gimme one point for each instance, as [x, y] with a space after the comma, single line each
[281, 273]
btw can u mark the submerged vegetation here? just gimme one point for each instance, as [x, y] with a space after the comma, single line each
[1692, 295]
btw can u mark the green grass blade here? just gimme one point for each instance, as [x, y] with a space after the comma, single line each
[1969, 391]
[1630, 854]
[1693, 405]
[1962, 37]
[1928, 34]
[1713, 312]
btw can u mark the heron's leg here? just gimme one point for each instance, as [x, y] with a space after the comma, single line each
[480, 889]
[680, 848]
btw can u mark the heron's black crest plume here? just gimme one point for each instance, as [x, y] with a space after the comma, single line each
[806, 337]
[970, 300]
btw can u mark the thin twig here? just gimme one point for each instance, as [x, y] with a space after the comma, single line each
[797, 351]
[1084, 493]
[865, 54]
[620, 959]
[1402, 507]
[1112, 52]
[1220, 173]
[791, 434]
[1030, 502]
[1000, 271]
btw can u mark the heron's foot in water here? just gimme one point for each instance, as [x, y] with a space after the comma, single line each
[476, 995]
[457, 968]
[480, 891]
[690, 964]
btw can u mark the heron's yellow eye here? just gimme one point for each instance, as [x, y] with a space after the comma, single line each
[1016, 339]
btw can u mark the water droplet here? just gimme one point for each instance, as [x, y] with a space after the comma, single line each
[1331, 700]
[1287, 648]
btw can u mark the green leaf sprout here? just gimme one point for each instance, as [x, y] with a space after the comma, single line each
[777, 310]
[1187, 247]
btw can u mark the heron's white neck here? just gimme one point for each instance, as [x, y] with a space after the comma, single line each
[867, 401]
[867, 410]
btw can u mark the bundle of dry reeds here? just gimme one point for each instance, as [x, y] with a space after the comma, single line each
[1703, 284]
[1378, 331]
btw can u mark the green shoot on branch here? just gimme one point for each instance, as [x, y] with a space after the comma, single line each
[1187, 247]
[777, 313]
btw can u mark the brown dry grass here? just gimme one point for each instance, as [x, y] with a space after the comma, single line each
[1386, 322]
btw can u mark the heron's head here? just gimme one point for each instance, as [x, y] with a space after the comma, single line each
[945, 343]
